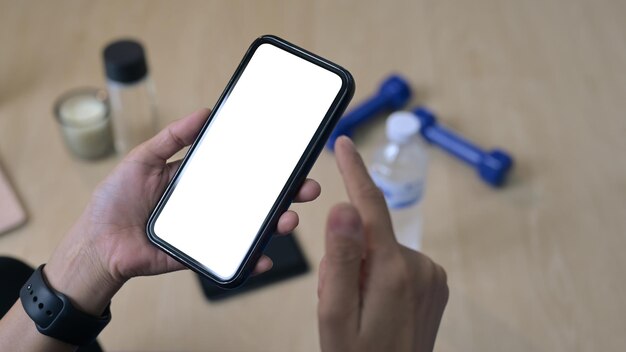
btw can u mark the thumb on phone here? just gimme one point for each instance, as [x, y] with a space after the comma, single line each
[340, 275]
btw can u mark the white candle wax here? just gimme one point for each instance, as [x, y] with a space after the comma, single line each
[85, 124]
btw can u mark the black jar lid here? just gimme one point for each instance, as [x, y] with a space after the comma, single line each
[125, 61]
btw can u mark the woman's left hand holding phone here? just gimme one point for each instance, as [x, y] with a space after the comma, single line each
[108, 244]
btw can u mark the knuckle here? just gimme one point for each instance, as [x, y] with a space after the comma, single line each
[370, 191]
[175, 138]
[137, 151]
[443, 284]
[433, 278]
[345, 252]
[329, 315]
[400, 276]
[430, 275]
[416, 275]
[344, 255]
[369, 225]
[443, 276]
[325, 314]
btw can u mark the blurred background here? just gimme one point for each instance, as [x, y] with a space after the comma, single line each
[536, 265]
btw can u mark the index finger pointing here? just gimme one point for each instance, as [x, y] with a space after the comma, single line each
[363, 193]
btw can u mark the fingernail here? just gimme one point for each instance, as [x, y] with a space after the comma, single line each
[345, 224]
[264, 264]
[349, 142]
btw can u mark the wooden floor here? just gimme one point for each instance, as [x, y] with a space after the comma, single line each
[536, 266]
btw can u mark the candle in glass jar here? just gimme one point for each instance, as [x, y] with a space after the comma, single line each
[85, 124]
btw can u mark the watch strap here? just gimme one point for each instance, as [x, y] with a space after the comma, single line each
[55, 316]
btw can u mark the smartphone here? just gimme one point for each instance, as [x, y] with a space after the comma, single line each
[249, 160]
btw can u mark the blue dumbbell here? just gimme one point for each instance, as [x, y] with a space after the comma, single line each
[393, 94]
[492, 166]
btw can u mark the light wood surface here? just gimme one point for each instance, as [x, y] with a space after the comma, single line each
[536, 266]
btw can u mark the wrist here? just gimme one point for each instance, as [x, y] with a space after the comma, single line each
[75, 270]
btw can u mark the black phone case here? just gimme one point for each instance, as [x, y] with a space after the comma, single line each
[289, 261]
[296, 179]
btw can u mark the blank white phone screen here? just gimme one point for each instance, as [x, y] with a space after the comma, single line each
[245, 157]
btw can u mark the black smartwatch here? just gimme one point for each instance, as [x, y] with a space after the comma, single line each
[55, 316]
